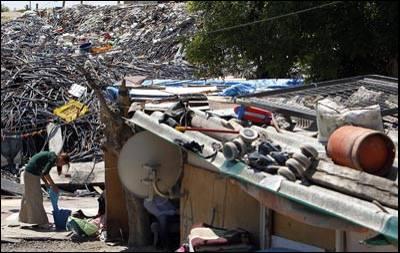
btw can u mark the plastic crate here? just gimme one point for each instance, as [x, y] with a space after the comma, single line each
[71, 110]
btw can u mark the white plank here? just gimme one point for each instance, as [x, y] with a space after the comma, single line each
[190, 90]
[55, 135]
[148, 93]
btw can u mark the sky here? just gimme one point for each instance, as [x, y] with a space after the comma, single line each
[48, 4]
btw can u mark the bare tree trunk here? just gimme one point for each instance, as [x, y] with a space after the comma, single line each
[139, 222]
[63, 4]
[117, 133]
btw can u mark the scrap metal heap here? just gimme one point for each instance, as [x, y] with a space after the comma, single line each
[152, 32]
[41, 60]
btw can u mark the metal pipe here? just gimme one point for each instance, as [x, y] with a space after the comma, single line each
[211, 130]
[203, 120]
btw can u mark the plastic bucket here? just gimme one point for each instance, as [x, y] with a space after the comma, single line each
[60, 218]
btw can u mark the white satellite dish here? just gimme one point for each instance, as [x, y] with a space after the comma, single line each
[145, 148]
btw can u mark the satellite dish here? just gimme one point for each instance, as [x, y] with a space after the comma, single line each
[145, 148]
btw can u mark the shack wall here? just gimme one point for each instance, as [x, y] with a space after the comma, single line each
[288, 228]
[217, 200]
[214, 200]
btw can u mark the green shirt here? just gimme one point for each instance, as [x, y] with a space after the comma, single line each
[41, 163]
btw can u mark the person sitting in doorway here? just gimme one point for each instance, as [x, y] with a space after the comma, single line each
[32, 209]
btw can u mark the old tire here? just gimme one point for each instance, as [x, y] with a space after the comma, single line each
[309, 151]
[306, 162]
[287, 173]
[297, 166]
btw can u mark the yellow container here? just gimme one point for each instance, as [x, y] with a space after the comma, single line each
[71, 110]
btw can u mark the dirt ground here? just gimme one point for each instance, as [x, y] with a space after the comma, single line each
[5, 16]
[69, 246]
[27, 240]
[59, 246]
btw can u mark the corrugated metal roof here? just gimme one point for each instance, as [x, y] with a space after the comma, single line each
[320, 200]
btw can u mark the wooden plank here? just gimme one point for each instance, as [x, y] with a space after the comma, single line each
[268, 227]
[355, 183]
[139, 221]
[190, 90]
[149, 93]
[286, 227]
[98, 189]
[216, 200]
[11, 187]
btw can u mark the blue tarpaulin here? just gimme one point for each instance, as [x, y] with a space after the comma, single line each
[231, 87]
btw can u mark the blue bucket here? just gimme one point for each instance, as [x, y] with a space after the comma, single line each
[85, 48]
[60, 218]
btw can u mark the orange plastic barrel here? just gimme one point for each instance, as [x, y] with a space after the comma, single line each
[362, 149]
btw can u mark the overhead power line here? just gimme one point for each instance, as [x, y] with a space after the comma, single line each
[274, 18]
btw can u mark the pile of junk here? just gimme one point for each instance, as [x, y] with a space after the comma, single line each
[356, 137]
[350, 148]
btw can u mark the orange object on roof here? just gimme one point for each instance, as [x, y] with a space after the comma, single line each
[98, 50]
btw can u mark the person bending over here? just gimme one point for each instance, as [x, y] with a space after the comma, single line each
[39, 166]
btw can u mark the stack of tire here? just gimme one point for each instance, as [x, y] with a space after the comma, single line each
[299, 163]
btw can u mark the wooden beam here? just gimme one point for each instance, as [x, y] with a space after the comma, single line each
[139, 220]
[355, 183]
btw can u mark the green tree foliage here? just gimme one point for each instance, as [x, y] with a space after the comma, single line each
[346, 39]
[4, 8]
